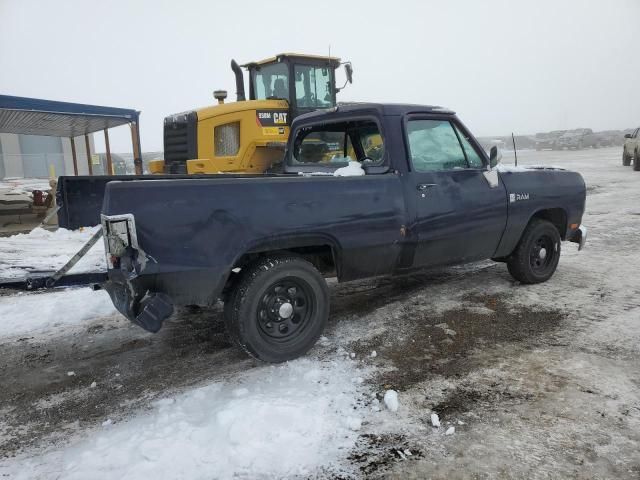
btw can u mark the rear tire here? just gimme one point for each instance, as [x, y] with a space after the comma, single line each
[636, 161]
[278, 309]
[536, 257]
[626, 159]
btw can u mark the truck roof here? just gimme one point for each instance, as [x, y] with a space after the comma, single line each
[379, 108]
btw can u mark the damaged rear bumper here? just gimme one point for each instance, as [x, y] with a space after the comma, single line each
[579, 236]
[142, 307]
[126, 286]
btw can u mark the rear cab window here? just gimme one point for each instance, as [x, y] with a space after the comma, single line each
[328, 146]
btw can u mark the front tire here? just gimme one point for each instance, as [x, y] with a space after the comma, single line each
[536, 257]
[626, 159]
[636, 161]
[278, 309]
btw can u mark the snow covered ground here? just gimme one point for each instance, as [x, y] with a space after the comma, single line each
[24, 185]
[492, 379]
[45, 251]
[270, 422]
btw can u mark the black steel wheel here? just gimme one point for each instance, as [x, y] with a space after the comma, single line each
[278, 308]
[541, 254]
[536, 256]
[286, 308]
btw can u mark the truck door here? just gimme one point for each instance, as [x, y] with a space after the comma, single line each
[457, 215]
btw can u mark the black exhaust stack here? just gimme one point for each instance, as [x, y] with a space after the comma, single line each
[239, 81]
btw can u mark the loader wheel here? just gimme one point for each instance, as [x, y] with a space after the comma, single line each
[626, 159]
[536, 257]
[278, 308]
[636, 161]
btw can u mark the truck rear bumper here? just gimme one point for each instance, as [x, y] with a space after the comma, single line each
[142, 307]
[579, 236]
[126, 286]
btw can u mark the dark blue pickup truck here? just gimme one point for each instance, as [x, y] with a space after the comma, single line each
[422, 193]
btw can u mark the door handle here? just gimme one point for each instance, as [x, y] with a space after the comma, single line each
[425, 186]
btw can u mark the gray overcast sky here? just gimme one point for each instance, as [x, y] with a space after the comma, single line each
[522, 66]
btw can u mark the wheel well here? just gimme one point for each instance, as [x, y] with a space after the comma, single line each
[323, 257]
[557, 216]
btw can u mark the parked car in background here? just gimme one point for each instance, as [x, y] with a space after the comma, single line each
[578, 139]
[631, 149]
[548, 139]
[611, 138]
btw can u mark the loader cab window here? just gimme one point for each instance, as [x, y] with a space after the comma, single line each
[313, 87]
[334, 145]
[271, 81]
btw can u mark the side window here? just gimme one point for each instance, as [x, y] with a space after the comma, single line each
[433, 145]
[313, 87]
[272, 81]
[474, 160]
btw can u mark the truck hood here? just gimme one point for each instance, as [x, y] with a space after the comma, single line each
[525, 168]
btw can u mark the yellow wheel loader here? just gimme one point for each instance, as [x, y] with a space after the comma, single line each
[249, 135]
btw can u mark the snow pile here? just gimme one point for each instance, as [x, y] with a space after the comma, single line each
[435, 420]
[42, 250]
[272, 422]
[25, 314]
[353, 169]
[391, 400]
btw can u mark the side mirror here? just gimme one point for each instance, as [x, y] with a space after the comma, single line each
[495, 156]
[627, 135]
[348, 69]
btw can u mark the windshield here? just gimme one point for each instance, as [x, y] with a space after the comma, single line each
[313, 86]
[271, 81]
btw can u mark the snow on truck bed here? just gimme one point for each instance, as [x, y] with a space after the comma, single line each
[43, 251]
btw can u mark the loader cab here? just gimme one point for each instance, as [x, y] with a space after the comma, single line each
[306, 82]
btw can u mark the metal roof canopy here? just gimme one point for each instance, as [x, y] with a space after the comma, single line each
[34, 116]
